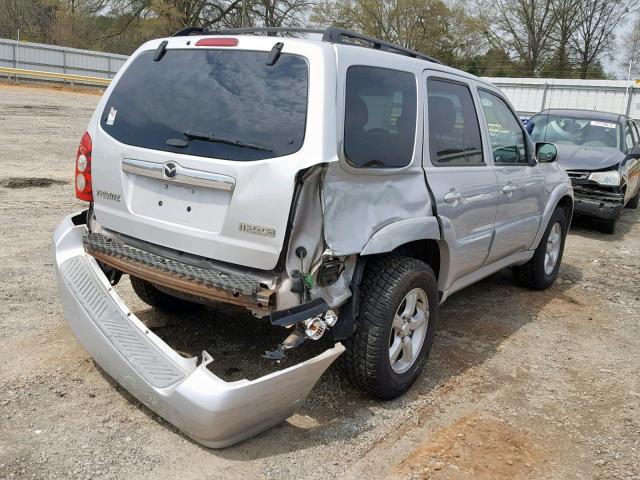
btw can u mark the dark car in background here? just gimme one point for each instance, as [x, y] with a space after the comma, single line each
[600, 152]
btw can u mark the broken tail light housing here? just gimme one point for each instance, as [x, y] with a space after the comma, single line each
[83, 170]
[314, 328]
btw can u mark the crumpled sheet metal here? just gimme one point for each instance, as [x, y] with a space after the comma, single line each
[356, 206]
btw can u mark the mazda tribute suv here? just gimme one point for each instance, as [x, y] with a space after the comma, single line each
[336, 186]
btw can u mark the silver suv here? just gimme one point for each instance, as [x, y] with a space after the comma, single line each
[341, 187]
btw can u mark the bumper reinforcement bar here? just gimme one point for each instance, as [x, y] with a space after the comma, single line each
[237, 289]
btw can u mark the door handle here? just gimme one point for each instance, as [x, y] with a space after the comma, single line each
[452, 197]
[509, 189]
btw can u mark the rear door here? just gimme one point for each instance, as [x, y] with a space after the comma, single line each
[521, 185]
[459, 172]
[199, 150]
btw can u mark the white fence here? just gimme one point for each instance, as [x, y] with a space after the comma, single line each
[51, 58]
[531, 95]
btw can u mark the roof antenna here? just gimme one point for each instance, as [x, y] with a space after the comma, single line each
[274, 54]
[160, 51]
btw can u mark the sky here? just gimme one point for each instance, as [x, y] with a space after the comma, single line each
[612, 62]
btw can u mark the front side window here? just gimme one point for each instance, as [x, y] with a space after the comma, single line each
[380, 117]
[225, 104]
[454, 131]
[506, 136]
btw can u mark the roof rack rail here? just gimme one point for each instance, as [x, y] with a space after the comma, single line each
[331, 35]
[338, 35]
[185, 32]
[242, 31]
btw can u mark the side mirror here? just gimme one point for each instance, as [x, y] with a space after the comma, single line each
[546, 152]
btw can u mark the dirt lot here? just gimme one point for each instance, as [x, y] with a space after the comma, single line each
[520, 384]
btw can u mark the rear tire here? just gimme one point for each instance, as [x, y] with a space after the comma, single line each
[537, 273]
[398, 306]
[153, 297]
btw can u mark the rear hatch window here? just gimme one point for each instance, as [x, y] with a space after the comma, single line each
[225, 104]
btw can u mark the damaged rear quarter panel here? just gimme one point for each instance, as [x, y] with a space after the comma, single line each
[359, 202]
[356, 206]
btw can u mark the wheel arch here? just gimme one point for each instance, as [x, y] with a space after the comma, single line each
[429, 250]
[566, 202]
[562, 195]
[419, 238]
[426, 250]
[393, 235]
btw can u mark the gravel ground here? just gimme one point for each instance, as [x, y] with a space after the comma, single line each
[520, 384]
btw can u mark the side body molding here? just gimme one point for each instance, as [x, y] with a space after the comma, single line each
[398, 233]
[559, 191]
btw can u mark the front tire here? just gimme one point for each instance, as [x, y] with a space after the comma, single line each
[541, 271]
[633, 203]
[398, 311]
[608, 226]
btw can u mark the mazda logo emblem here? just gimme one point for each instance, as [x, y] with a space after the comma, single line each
[170, 170]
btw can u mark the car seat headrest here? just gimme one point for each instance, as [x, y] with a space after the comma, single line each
[442, 115]
[357, 112]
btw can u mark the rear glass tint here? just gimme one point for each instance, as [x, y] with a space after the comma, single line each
[380, 117]
[229, 95]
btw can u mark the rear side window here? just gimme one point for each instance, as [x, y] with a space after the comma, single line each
[218, 96]
[506, 135]
[380, 117]
[454, 131]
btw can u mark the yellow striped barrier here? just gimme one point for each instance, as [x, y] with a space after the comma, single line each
[67, 77]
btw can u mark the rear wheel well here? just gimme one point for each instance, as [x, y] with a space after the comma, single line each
[427, 251]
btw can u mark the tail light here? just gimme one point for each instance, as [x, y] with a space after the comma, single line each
[83, 170]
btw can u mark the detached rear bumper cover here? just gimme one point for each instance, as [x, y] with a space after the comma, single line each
[208, 409]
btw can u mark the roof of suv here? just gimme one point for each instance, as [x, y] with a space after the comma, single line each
[331, 35]
[334, 35]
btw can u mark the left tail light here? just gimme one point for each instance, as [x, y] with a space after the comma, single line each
[83, 170]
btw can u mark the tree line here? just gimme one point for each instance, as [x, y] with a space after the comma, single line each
[544, 38]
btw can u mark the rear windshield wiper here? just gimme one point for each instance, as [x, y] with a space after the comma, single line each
[194, 135]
